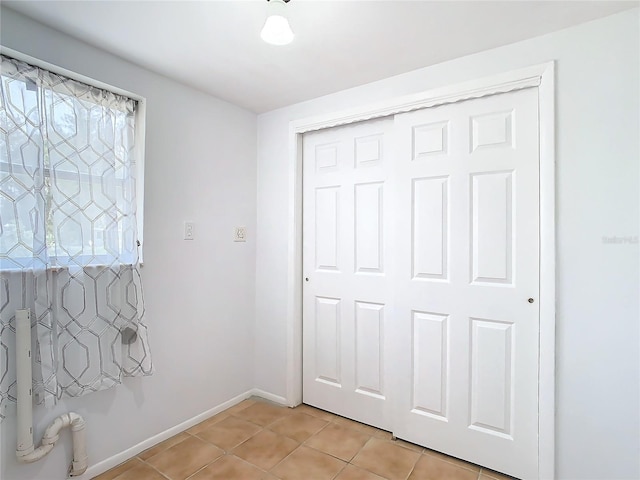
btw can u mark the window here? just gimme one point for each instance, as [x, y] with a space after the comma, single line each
[68, 153]
[69, 238]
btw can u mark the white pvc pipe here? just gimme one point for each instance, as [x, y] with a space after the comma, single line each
[25, 450]
[23, 375]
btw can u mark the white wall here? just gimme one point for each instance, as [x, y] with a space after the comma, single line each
[200, 166]
[598, 375]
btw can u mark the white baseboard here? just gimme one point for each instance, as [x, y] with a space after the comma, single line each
[271, 397]
[114, 461]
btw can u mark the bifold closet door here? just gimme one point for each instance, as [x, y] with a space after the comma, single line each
[466, 303]
[347, 262]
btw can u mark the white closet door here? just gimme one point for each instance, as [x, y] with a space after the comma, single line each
[347, 261]
[466, 332]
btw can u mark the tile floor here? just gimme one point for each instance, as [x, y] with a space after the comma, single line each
[256, 440]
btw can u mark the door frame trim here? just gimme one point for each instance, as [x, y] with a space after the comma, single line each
[540, 76]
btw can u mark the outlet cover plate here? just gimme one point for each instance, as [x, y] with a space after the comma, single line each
[240, 234]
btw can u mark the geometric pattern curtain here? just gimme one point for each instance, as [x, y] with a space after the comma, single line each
[68, 234]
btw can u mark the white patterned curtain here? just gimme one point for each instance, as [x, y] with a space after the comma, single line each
[68, 234]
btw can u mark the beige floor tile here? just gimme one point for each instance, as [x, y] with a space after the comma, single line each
[229, 433]
[298, 426]
[265, 449]
[308, 463]
[316, 412]
[123, 467]
[383, 434]
[141, 472]
[208, 423]
[456, 461]
[409, 445]
[262, 413]
[386, 459]
[185, 458]
[240, 406]
[162, 446]
[229, 467]
[338, 441]
[352, 424]
[355, 473]
[432, 468]
[493, 475]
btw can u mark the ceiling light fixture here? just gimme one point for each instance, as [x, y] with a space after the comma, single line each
[277, 30]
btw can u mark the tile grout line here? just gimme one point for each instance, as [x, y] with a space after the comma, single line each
[331, 455]
[251, 464]
[340, 471]
[263, 428]
[203, 467]
[165, 450]
[224, 453]
[285, 457]
[363, 468]
[151, 466]
[414, 465]
[160, 452]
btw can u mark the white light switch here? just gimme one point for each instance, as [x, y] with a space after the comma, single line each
[188, 230]
[240, 234]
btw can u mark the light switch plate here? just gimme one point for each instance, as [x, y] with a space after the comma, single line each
[240, 234]
[188, 230]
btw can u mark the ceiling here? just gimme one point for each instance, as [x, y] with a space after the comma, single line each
[215, 46]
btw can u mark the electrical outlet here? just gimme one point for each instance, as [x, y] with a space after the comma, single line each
[188, 230]
[240, 234]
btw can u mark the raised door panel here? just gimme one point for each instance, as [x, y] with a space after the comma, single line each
[492, 227]
[369, 348]
[430, 364]
[327, 228]
[491, 381]
[368, 150]
[369, 228]
[429, 140]
[327, 340]
[430, 225]
[492, 130]
[326, 157]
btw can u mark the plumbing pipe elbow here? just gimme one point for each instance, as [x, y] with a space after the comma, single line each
[40, 452]
[76, 421]
[24, 450]
[51, 436]
[50, 439]
[52, 432]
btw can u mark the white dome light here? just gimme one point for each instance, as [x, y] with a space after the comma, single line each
[277, 30]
